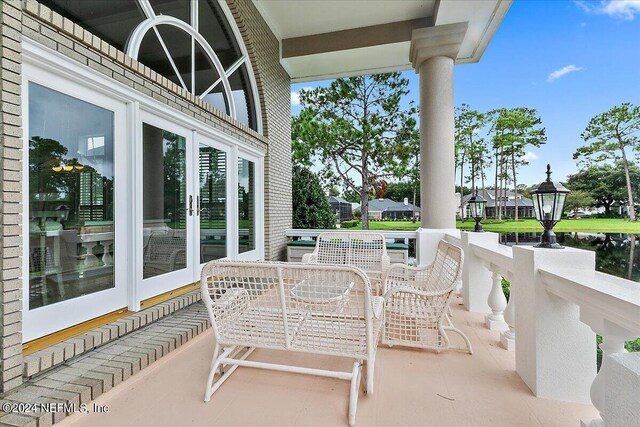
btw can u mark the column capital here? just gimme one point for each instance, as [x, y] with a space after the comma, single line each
[442, 40]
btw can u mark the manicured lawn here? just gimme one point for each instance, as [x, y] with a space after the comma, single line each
[593, 225]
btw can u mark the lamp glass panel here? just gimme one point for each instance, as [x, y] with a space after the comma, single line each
[560, 205]
[537, 206]
[548, 200]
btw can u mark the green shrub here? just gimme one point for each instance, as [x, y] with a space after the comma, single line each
[311, 208]
[349, 224]
[506, 288]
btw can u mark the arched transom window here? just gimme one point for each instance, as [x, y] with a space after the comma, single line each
[193, 43]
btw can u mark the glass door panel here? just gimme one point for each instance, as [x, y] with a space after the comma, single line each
[246, 206]
[164, 200]
[212, 203]
[71, 197]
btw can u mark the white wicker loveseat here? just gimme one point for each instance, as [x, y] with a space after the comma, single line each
[292, 307]
[367, 251]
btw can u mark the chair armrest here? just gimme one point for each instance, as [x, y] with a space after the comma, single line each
[404, 275]
[414, 291]
[311, 258]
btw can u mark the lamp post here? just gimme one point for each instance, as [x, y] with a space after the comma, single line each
[548, 204]
[477, 204]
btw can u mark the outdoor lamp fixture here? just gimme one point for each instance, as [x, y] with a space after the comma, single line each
[548, 204]
[477, 204]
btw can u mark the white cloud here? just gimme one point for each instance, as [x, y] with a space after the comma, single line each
[530, 156]
[562, 71]
[622, 9]
[295, 96]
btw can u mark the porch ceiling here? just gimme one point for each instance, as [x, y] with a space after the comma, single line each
[323, 39]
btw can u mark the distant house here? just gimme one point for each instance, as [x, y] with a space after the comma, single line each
[508, 200]
[380, 209]
[341, 207]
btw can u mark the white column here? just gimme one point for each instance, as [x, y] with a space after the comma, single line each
[555, 350]
[437, 158]
[433, 52]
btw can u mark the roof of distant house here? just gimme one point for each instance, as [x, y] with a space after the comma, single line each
[336, 199]
[388, 205]
[489, 196]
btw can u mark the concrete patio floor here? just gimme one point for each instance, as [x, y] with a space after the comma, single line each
[412, 388]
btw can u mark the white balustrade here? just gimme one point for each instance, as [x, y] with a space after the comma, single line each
[611, 307]
[559, 312]
[496, 301]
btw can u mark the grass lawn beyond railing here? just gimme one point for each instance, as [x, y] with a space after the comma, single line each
[585, 225]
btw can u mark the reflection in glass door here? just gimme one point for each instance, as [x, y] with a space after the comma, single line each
[71, 204]
[212, 203]
[164, 199]
[246, 206]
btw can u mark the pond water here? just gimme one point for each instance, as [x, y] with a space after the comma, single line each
[616, 253]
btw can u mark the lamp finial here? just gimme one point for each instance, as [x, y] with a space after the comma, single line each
[548, 172]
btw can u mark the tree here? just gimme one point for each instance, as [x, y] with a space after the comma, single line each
[610, 135]
[514, 130]
[469, 146]
[605, 183]
[358, 129]
[333, 191]
[578, 199]
[311, 208]
[398, 191]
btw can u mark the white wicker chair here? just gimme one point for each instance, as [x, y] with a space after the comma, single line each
[293, 307]
[367, 251]
[417, 301]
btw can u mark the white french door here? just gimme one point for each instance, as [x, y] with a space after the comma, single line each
[75, 187]
[166, 207]
[214, 195]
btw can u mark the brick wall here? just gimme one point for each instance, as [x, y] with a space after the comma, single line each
[40, 24]
[10, 195]
[274, 86]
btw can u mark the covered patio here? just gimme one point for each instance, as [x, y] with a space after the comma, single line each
[413, 388]
[535, 357]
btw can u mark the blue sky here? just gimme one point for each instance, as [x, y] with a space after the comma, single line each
[570, 60]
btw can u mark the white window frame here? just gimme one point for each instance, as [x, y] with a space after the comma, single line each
[256, 254]
[231, 231]
[57, 316]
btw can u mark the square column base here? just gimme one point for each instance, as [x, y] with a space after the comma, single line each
[508, 341]
[495, 325]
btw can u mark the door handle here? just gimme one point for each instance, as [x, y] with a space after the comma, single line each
[190, 205]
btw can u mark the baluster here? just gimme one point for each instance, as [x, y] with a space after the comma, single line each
[497, 302]
[613, 340]
[508, 337]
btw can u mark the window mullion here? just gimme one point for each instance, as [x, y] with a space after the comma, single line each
[166, 51]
